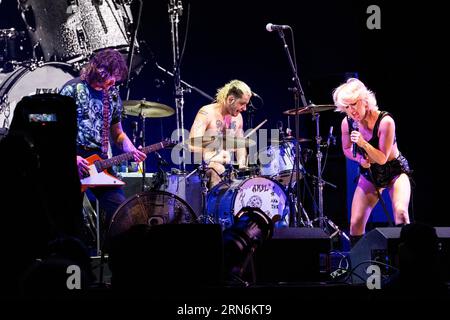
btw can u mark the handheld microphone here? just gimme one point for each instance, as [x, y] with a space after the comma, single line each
[355, 128]
[275, 27]
[330, 135]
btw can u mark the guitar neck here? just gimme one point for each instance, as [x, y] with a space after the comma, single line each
[116, 160]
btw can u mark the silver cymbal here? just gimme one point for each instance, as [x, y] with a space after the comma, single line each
[289, 139]
[310, 109]
[147, 109]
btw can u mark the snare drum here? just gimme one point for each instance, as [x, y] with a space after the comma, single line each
[226, 199]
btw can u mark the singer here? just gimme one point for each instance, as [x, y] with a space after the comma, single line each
[99, 110]
[222, 118]
[368, 137]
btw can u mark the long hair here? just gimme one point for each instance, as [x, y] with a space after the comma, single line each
[103, 64]
[235, 87]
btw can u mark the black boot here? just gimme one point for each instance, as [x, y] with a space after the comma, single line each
[354, 240]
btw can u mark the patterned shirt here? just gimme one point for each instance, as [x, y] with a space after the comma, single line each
[90, 111]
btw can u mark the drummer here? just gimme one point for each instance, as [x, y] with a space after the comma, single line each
[221, 118]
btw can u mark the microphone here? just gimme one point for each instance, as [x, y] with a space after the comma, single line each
[272, 27]
[330, 135]
[256, 95]
[355, 128]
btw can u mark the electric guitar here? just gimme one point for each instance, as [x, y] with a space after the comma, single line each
[99, 177]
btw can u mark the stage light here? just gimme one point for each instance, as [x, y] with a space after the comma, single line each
[252, 227]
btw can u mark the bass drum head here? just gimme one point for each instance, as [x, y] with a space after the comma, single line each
[50, 77]
[225, 200]
[150, 208]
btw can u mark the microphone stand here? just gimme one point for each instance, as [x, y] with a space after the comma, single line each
[132, 47]
[175, 11]
[298, 93]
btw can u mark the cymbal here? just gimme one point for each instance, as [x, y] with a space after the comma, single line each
[290, 139]
[147, 109]
[310, 109]
[221, 142]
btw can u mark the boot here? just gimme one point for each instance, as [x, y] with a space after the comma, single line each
[354, 240]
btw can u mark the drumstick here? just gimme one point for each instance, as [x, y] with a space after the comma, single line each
[253, 130]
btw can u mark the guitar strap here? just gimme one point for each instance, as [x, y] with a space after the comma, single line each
[105, 131]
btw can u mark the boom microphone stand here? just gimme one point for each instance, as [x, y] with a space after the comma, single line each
[298, 93]
[175, 11]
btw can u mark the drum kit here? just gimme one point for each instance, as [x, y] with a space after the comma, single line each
[60, 37]
[268, 185]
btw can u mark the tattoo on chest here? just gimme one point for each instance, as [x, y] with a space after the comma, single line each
[219, 126]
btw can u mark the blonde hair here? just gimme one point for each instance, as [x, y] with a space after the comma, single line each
[352, 91]
[235, 87]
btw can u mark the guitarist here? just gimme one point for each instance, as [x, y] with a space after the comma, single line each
[99, 115]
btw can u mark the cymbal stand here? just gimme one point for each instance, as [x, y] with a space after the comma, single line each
[293, 202]
[298, 93]
[202, 169]
[144, 186]
[133, 46]
[324, 221]
[175, 11]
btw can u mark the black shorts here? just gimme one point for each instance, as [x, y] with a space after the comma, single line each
[382, 175]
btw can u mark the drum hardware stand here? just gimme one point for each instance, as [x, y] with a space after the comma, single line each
[295, 204]
[298, 93]
[175, 11]
[144, 186]
[132, 47]
[323, 220]
[201, 169]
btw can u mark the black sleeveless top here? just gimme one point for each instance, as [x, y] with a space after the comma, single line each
[381, 175]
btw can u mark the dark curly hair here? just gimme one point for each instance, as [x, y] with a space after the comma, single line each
[103, 64]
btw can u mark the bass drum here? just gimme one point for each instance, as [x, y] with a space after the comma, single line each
[150, 208]
[226, 199]
[73, 32]
[49, 77]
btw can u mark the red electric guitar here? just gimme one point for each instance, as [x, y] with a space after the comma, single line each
[99, 177]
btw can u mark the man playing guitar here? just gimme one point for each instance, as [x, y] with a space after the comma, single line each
[99, 115]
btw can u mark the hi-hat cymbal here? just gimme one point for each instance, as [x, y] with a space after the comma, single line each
[310, 109]
[221, 142]
[147, 109]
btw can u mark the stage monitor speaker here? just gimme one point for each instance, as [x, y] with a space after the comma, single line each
[292, 255]
[167, 255]
[381, 244]
[133, 182]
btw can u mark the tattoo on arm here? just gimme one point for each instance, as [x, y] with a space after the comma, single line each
[203, 112]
